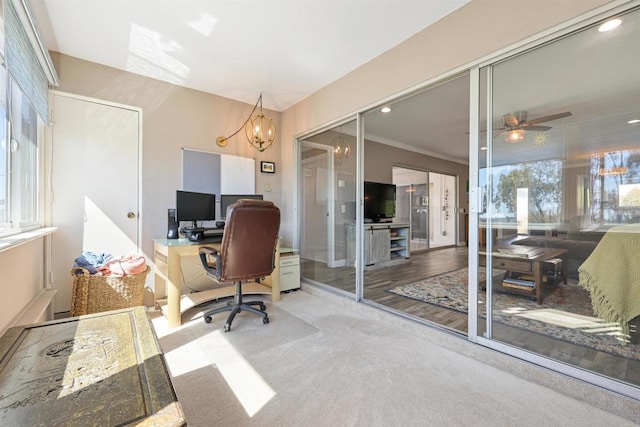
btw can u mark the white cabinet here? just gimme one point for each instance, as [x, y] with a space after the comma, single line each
[289, 272]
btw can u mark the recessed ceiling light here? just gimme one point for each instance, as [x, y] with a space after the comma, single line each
[483, 148]
[385, 110]
[633, 122]
[610, 25]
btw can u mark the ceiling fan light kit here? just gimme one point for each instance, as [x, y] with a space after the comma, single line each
[514, 136]
[515, 125]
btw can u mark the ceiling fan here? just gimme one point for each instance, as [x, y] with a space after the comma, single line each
[515, 124]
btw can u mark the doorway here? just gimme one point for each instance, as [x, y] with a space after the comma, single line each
[426, 200]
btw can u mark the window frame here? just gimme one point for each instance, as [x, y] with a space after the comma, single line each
[22, 167]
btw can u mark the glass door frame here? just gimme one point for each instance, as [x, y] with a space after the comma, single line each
[298, 170]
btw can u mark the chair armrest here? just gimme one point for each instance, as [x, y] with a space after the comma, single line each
[208, 250]
[205, 251]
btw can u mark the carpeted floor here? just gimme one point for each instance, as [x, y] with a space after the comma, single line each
[325, 361]
[565, 313]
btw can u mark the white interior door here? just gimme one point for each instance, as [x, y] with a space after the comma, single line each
[95, 184]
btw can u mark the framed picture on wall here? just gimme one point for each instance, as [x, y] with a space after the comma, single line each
[267, 167]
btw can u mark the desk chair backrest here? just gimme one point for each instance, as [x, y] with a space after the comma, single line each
[249, 241]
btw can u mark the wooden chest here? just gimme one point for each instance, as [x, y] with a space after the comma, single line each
[102, 369]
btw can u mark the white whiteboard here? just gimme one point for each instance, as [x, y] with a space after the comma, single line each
[237, 175]
[214, 173]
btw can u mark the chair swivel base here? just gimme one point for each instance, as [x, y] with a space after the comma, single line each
[236, 307]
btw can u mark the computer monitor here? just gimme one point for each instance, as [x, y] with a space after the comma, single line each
[192, 206]
[228, 199]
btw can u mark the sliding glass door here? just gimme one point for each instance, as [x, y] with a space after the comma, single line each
[327, 207]
[559, 179]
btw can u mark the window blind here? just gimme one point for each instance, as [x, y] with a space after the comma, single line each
[23, 63]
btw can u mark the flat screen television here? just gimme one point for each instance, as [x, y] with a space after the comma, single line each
[228, 199]
[379, 201]
[192, 206]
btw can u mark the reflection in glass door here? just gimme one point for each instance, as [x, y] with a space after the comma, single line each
[557, 217]
[412, 204]
[327, 208]
[426, 201]
[442, 223]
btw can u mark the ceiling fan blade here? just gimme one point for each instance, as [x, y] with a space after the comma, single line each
[536, 127]
[546, 119]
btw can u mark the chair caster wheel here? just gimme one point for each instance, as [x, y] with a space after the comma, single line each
[265, 320]
[207, 319]
[263, 307]
[227, 327]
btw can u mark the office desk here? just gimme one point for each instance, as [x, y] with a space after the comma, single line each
[168, 280]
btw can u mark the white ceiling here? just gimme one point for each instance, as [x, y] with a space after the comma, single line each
[291, 49]
[236, 49]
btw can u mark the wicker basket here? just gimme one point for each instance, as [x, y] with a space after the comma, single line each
[94, 293]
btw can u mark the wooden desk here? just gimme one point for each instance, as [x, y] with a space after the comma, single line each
[168, 280]
[522, 259]
[102, 369]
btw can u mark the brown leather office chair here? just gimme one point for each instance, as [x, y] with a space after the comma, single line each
[247, 252]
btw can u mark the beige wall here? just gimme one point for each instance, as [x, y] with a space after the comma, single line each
[173, 118]
[21, 280]
[379, 160]
[477, 29]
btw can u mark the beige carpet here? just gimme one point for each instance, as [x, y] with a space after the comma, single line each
[326, 361]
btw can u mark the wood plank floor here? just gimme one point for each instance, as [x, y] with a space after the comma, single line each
[432, 263]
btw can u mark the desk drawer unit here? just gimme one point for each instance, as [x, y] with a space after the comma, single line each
[289, 272]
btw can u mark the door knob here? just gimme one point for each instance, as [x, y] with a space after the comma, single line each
[131, 215]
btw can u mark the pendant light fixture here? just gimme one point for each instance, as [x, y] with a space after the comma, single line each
[259, 130]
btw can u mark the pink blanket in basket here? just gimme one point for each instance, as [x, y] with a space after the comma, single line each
[124, 265]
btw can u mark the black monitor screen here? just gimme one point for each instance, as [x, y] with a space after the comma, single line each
[193, 206]
[228, 199]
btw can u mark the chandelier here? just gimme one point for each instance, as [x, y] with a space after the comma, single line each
[341, 148]
[259, 130]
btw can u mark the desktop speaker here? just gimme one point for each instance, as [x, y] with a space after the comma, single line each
[172, 224]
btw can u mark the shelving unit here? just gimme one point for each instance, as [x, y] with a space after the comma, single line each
[399, 242]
